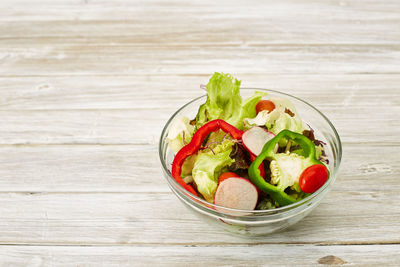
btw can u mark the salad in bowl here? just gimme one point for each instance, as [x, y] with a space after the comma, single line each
[244, 161]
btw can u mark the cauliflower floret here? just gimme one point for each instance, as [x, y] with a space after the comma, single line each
[286, 169]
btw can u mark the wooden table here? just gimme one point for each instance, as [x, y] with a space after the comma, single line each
[86, 87]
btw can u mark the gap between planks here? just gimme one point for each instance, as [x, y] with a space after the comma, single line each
[211, 244]
[207, 75]
[199, 45]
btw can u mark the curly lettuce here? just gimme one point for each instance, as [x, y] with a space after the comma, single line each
[224, 102]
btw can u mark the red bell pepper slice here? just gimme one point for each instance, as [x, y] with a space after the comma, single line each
[195, 145]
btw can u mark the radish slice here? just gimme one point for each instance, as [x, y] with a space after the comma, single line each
[255, 138]
[226, 175]
[236, 193]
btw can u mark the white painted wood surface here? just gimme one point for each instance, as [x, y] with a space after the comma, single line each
[86, 87]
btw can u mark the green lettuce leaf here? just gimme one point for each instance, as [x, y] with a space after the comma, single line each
[187, 166]
[209, 165]
[224, 102]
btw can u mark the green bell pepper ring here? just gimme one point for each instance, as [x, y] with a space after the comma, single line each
[267, 152]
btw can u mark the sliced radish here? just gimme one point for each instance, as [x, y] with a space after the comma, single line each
[236, 193]
[226, 175]
[255, 138]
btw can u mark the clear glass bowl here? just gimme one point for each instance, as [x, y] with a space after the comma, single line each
[256, 222]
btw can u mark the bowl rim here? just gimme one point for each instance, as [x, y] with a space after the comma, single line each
[218, 208]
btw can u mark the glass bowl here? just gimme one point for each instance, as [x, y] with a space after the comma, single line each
[256, 222]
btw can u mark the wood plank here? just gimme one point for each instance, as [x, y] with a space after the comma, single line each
[137, 169]
[271, 255]
[172, 91]
[194, 23]
[143, 218]
[83, 126]
[62, 59]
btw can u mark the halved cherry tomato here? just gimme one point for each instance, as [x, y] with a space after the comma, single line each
[226, 175]
[265, 105]
[312, 178]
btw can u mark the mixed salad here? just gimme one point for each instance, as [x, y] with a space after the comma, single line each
[246, 154]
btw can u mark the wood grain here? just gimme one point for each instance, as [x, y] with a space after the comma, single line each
[172, 91]
[62, 59]
[242, 23]
[237, 255]
[139, 38]
[145, 218]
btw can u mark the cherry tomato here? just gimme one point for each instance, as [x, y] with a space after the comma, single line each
[312, 178]
[227, 175]
[265, 105]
